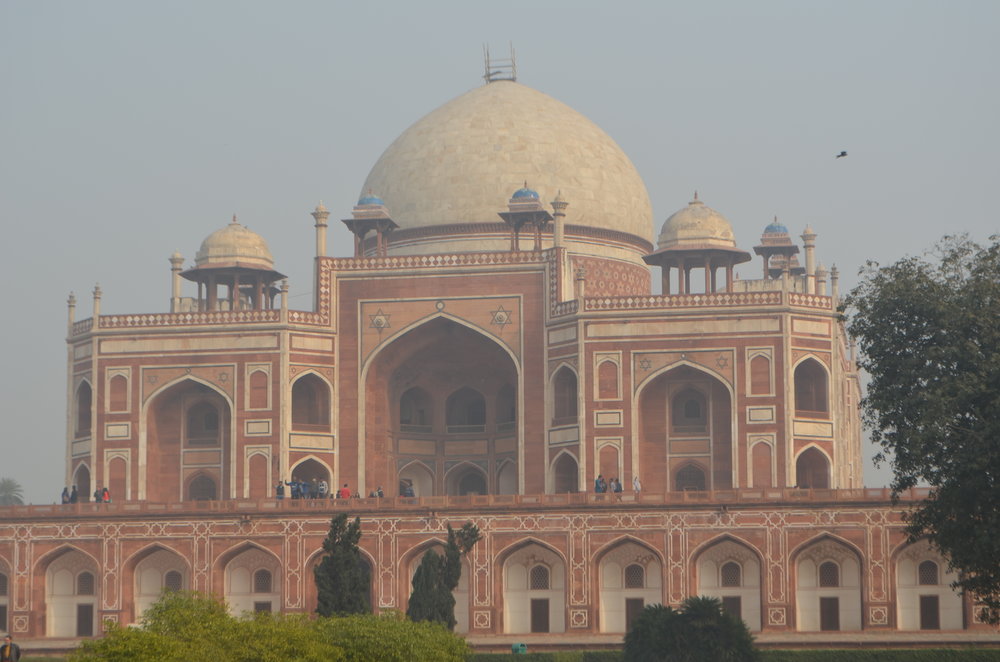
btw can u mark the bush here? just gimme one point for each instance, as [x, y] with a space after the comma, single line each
[700, 631]
[188, 626]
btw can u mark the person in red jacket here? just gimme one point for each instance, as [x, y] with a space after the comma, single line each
[344, 493]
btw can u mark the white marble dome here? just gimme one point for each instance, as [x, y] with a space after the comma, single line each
[234, 245]
[460, 164]
[697, 226]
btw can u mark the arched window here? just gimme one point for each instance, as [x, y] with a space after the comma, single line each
[690, 477]
[415, 411]
[310, 404]
[635, 576]
[202, 488]
[927, 573]
[760, 375]
[173, 581]
[810, 390]
[689, 413]
[564, 397]
[506, 408]
[258, 389]
[262, 581]
[3, 584]
[472, 482]
[84, 400]
[538, 578]
[465, 411]
[829, 574]
[85, 583]
[565, 474]
[118, 393]
[812, 470]
[731, 574]
[203, 424]
[607, 381]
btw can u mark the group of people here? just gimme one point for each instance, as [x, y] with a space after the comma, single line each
[614, 485]
[318, 488]
[101, 495]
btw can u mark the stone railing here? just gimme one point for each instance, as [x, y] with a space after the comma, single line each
[767, 497]
[683, 301]
[220, 317]
[435, 261]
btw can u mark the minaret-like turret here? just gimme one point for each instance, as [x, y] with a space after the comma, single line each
[525, 209]
[370, 214]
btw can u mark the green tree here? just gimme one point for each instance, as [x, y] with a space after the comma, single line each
[343, 579]
[929, 333]
[700, 631]
[11, 492]
[437, 577]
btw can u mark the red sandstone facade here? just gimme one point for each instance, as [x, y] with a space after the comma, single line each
[496, 383]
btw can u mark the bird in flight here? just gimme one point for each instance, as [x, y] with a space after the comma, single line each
[841, 155]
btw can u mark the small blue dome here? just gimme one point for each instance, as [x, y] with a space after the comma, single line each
[775, 228]
[370, 199]
[524, 193]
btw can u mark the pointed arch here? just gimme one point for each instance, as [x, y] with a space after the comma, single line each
[565, 473]
[822, 604]
[387, 371]
[72, 592]
[530, 605]
[731, 569]
[154, 423]
[629, 576]
[811, 379]
[83, 399]
[418, 476]
[312, 467]
[82, 480]
[666, 443]
[311, 407]
[466, 478]
[148, 571]
[507, 477]
[465, 410]
[565, 389]
[813, 468]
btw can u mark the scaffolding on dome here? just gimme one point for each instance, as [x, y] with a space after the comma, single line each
[499, 69]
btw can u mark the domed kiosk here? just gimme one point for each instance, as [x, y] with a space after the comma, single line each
[697, 237]
[449, 174]
[237, 258]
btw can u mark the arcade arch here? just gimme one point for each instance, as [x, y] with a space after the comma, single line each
[828, 586]
[71, 595]
[925, 599]
[155, 570]
[631, 577]
[253, 581]
[534, 590]
[811, 391]
[731, 571]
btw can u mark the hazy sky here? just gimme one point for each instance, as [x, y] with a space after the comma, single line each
[129, 130]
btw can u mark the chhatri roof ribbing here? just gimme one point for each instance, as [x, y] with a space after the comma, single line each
[459, 164]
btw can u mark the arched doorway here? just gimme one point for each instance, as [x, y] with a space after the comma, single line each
[441, 396]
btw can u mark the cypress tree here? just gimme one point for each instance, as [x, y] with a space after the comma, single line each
[343, 579]
[437, 577]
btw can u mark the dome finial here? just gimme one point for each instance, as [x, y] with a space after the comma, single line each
[233, 222]
[696, 195]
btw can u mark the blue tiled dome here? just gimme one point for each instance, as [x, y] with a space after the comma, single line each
[524, 193]
[775, 228]
[370, 199]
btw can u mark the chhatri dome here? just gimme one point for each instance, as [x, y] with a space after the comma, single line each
[697, 226]
[458, 165]
[234, 245]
